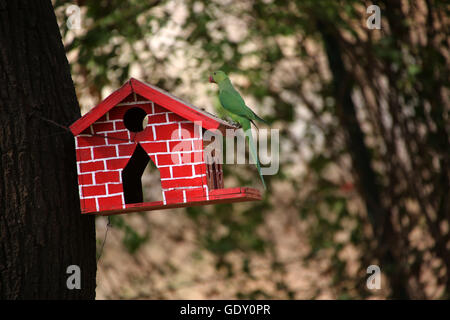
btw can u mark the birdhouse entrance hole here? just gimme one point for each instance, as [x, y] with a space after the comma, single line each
[134, 118]
[132, 175]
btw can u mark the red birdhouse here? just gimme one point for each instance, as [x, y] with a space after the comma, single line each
[113, 147]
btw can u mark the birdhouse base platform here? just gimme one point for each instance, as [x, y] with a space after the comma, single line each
[216, 196]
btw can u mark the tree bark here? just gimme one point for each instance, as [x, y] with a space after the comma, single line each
[42, 231]
[361, 159]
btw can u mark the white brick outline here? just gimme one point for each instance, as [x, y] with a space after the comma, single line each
[187, 177]
[185, 188]
[103, 159]
[103, 196]
[180, 164]
[132, 142]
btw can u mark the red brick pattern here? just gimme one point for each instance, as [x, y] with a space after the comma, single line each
[173, 143]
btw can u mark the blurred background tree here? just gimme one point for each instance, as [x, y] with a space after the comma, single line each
[364, 122]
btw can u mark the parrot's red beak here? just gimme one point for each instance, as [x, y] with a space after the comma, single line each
[211, 79]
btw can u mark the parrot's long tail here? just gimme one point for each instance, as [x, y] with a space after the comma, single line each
[254, 125]
[259, 119]
[248, 133]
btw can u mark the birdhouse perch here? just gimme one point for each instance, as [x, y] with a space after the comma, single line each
[113, 148]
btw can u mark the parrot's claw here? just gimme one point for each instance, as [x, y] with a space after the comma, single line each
[234, 123]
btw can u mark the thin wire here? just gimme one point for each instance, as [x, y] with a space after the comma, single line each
[108, 225]
[52, 122]
[68, 130]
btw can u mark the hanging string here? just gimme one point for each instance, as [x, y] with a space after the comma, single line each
[108, 225]
[67, 129]
[51, 121]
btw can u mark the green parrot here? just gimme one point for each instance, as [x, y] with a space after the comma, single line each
[232, 101]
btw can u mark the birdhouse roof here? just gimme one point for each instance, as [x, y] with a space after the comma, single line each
[156, 95]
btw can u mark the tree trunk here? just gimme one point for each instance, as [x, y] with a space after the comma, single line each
[365, 175]
[42, 231]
